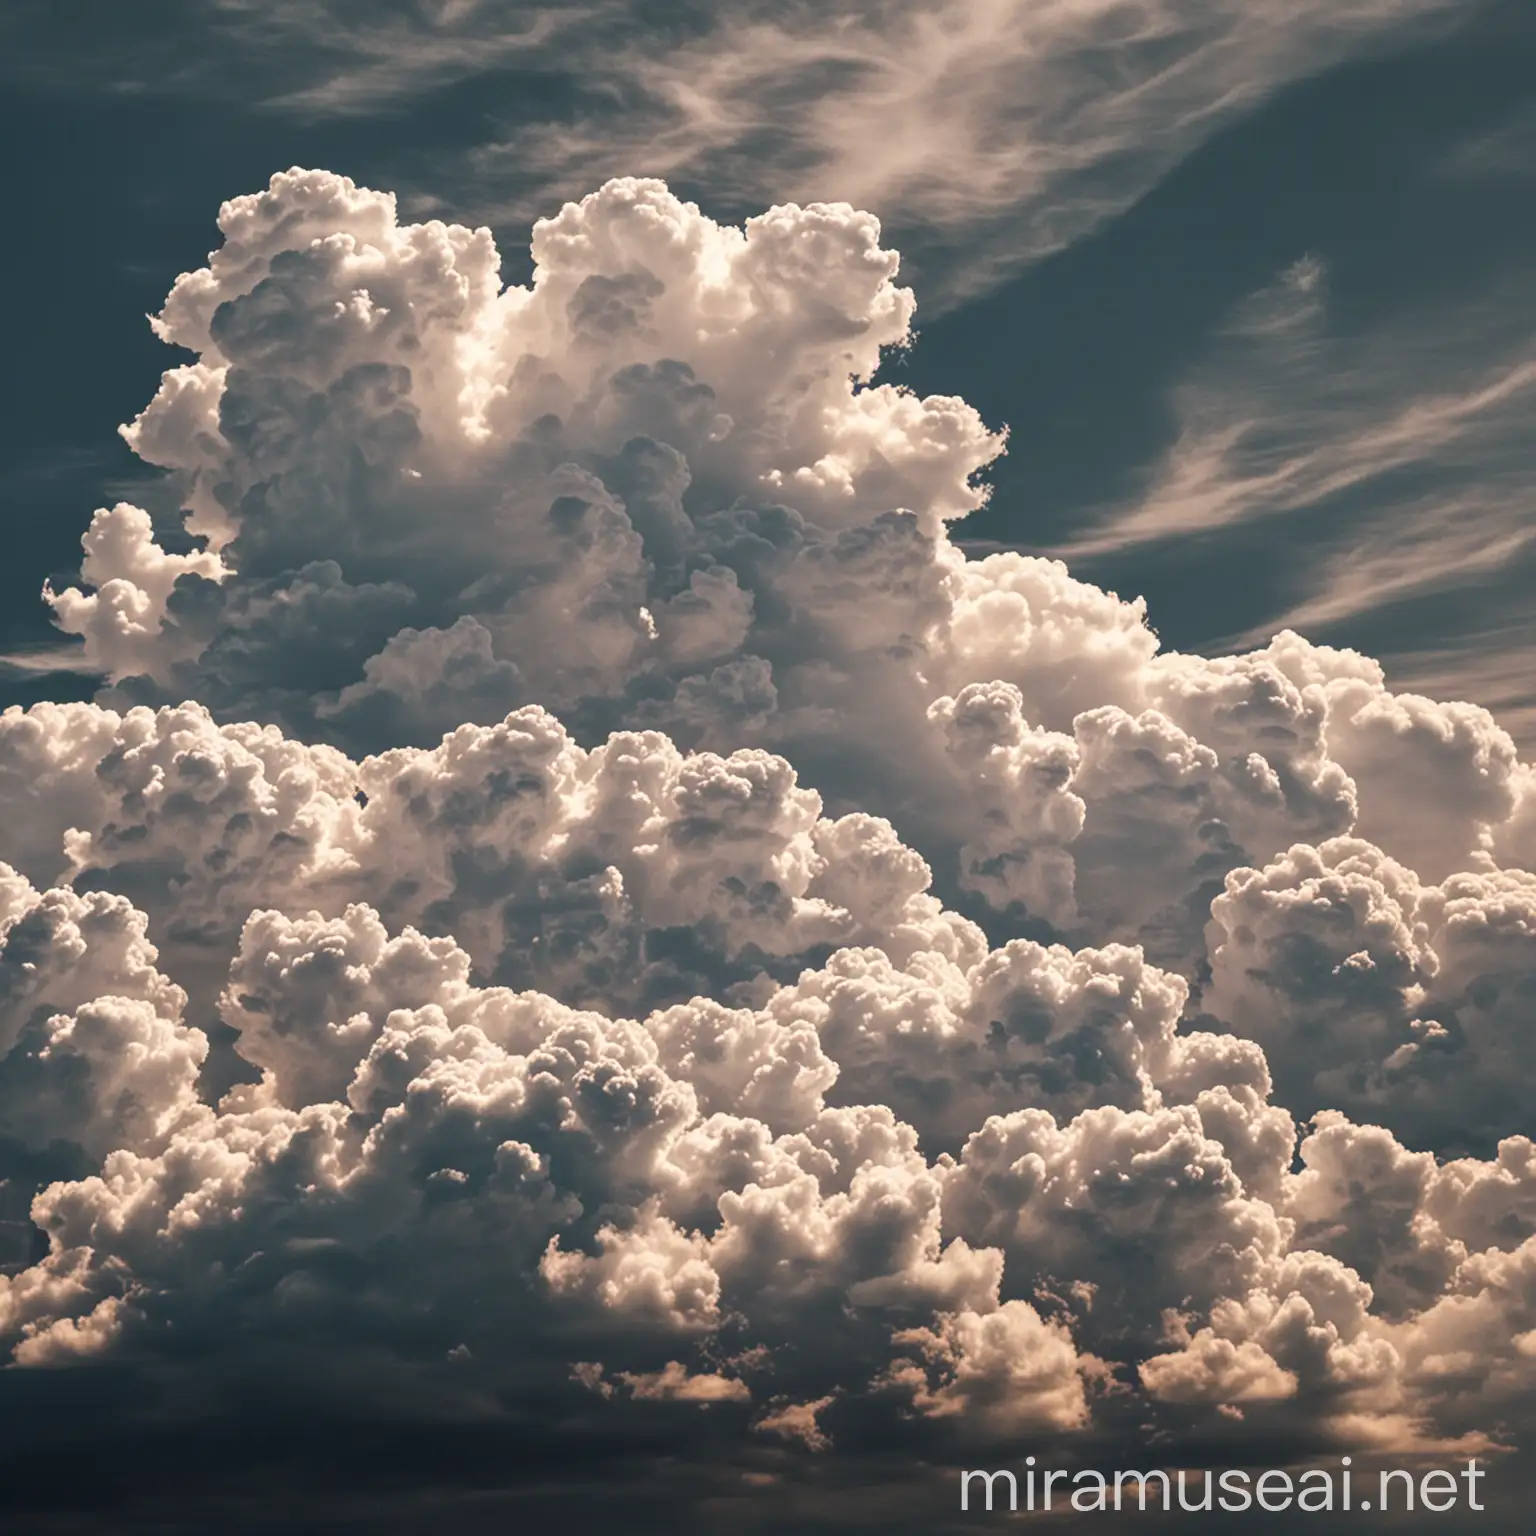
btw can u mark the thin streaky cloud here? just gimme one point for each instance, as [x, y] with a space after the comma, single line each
[1391, 468]
[986, 133]
[1507, 153]
[1493, 666]
[1005, 127]
[1283, 418]
[402, 56]
[44, 660]
[1407, 552]
[309, 59]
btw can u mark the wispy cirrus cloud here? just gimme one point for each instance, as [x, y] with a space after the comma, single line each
[986, 133]
[1509, 150]
[1390, 466]
[1491, 664]
[367, 57]
[1435, 546]
[1282, 416]
[306, 57]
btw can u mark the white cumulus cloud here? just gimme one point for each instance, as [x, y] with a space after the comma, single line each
[576, 884]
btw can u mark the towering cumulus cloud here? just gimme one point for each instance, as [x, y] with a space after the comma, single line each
[575, 892]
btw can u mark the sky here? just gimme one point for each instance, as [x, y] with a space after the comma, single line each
[759, 750]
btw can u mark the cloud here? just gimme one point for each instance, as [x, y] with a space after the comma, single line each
[1283, 416]
[1010, 1367]
[797, 1422]
[1373, 992]
[577, 899]
[301, 55]
[96, 1050]
[1487, 664]
[988, 134]
[1509, 151]
[673, 1383]
[1060, 116]
[1388, 462]
[653, 528]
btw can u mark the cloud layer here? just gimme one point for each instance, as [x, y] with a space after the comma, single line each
[576, 890]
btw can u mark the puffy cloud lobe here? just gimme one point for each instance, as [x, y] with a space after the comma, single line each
[112, 1074]
[1408, 1359]
[751, 1063]
[1401, 1219]
[93, 1048]
[199, 819]
[946, 1045]
[1009, 1369]
[1364, 1198]
[673, 1384]
[309, 997]
[1140, 1203]
[625, 867]
[1155, 812]
[1066, 645]
[797, 1422]
[1308, 1333]
[1442, 773]
[1488, 1204]
[1474, 1351]
[123, 620]
[1483, 933]
[512, 1131]
[577, 433]
[1377, 994]
[507, 1122]
[710, 1169]
[1321, 957]
[1022, 776]
[62, 950]
[425, 676]
[550, 863]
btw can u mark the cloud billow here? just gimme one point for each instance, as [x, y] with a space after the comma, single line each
[677, 936]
